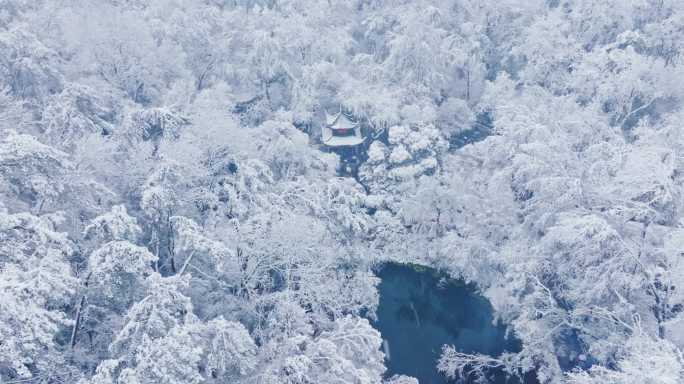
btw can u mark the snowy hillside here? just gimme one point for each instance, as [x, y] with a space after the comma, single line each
[203, 191]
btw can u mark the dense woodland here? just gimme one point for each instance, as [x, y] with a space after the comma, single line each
[167, 214]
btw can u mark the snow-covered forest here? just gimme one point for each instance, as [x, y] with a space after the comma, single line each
[169, 213]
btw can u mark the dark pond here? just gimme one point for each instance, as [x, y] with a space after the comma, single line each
[421, 309]
[479, 130]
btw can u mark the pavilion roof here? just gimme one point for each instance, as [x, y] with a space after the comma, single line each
[339, 120]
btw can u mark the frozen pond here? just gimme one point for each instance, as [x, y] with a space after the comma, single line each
[421, 309]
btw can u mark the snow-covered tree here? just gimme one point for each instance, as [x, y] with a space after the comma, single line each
[334, 356]
[37, 284]
[114, 225]
[32, 173]
[167, 213]
[643, 360]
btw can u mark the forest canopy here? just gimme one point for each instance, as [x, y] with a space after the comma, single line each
[168, 213]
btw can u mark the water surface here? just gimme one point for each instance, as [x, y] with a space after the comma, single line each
[421, 309]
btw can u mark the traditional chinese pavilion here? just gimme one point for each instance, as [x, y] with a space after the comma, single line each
[341, 130]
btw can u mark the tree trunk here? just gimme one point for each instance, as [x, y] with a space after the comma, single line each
[79, 311]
